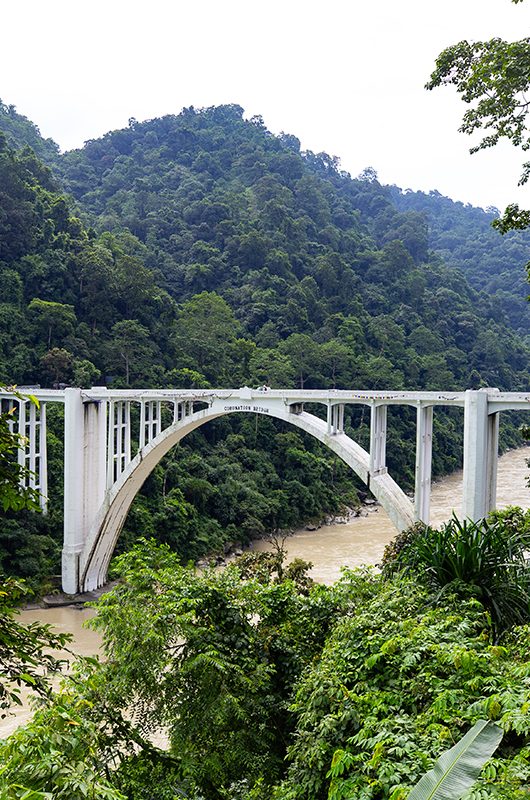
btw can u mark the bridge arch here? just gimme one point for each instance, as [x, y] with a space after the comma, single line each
[101, 479]
[103, 534]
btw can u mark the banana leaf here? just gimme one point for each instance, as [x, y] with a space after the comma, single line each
[457, 769]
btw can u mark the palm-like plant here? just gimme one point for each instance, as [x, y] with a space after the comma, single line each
[489, 557]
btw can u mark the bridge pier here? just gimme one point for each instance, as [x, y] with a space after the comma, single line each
[422, 493]
[335, 419]
[378, 419]
[481, 443]
[85, 477]
[74, 480]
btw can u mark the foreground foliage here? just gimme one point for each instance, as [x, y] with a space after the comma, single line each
[457, 769]
[268, 687]
[25, 657]
[489, 558]
[213, 659]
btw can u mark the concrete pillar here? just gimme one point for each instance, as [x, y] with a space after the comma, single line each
[378, 420]
[21, 454]
[95, 479]
[32, 450]
[481, 433]
[127, 434]
[141, 441]
[422, 494]
[337, 418]
[74, 488]
[493, 456]
[43, 460]
[112, 473]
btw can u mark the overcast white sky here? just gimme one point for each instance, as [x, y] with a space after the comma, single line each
[344, 76]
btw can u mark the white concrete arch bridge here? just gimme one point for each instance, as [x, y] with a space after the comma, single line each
[113, 439]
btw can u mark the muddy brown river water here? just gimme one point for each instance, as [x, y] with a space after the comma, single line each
[363, 540]
[360, 541]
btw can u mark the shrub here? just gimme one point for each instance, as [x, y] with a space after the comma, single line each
[488, 558]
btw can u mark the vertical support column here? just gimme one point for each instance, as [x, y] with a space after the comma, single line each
[337, 419]
[111, 446]
[480, 456]
[21, 455]
[31, 433]
[43, 461]
[493, 456]
[422, 494]
[141, 442]
[127, 434]
[378, 419]
[95, 485]
[158, 424]
[119, 438]
[31, 425]
[74, 486]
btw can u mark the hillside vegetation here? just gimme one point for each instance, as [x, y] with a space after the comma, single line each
[200, 250]
[465, 239]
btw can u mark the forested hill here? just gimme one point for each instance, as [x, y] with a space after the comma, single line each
[21, 132]
[463, 236]
[200, 250]
[459, 233]
[211, 252]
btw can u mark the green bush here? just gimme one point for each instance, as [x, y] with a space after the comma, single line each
[399, 680]
[488, 558]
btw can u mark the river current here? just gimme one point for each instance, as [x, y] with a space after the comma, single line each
[363, 539]
[360, 541]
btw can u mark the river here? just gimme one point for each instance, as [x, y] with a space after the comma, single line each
[363, 540]
[360, 541]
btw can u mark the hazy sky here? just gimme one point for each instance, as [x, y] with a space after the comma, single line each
[344, 76]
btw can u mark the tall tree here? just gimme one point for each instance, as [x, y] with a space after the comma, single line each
[493, 79]
[129, 348]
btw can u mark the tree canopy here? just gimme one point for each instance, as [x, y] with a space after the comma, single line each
[493, 79]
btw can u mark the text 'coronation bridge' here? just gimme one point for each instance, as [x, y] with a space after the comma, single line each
[113, 439]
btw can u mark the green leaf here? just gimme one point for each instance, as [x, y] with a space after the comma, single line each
[457, 769]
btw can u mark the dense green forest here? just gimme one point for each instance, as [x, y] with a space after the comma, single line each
[270, 688]
[201, 250]
[464, 237]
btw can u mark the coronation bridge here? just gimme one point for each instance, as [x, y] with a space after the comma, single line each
[113, 439]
